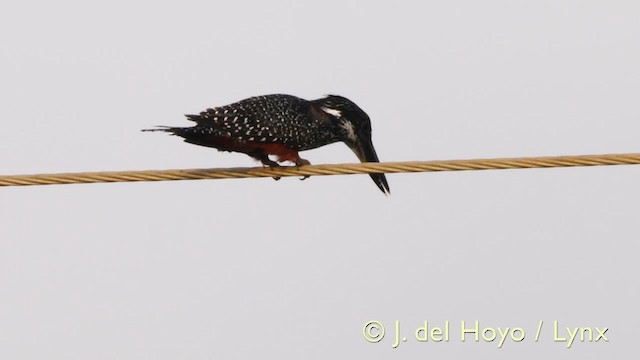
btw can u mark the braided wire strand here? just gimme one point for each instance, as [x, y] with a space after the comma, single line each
[321, 170]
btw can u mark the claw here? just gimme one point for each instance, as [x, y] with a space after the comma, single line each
[276, 178]
[269, 163]
[302, 162]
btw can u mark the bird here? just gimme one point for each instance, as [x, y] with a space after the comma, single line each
[282, 125]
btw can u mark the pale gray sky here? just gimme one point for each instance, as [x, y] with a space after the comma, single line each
[292, 269]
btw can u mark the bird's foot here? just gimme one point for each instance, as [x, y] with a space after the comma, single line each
[271, 164]
[302, 162]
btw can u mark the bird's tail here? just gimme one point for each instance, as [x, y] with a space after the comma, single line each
[179, 131]
[185, 132]
[162, 128]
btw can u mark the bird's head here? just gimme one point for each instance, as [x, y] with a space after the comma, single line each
[353, 127]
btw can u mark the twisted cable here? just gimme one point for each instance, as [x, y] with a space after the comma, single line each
[321, 170]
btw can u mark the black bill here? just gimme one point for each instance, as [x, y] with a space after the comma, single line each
[366, 153]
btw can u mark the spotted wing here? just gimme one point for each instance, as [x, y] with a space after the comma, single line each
[282, 119]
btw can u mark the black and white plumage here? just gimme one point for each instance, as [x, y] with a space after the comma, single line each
[282, 125]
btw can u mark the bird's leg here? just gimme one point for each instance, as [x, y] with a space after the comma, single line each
[264, 158]
[301, 162]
